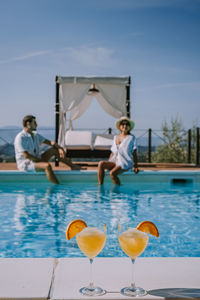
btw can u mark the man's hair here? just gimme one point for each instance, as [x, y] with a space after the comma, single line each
[28, 118]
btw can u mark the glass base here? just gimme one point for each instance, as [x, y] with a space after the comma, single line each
[133, 291]
[92, 291]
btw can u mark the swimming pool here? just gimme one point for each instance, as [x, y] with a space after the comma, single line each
[34, 216]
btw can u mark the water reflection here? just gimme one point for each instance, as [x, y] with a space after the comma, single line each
[34, 218]
[42, 212]
[37, 217]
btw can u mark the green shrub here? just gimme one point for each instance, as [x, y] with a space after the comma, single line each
[174, 147]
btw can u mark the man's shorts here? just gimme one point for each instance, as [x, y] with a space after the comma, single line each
[26, 166]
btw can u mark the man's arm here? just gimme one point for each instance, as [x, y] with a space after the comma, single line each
[31, 157]
[53, 144]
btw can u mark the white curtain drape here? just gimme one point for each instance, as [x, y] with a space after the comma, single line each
[78, 110]
[71, 94]
[75, 98]
[112, 98]
[62, 128]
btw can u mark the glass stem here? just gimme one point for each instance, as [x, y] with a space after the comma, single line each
[133, 273]
[91, 284]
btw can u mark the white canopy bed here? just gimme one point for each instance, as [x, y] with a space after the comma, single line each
[73, 97]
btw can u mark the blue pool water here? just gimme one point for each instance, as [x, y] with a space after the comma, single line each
[34, 217]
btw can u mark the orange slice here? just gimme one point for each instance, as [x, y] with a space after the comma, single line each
[74, 227]
[148, 227]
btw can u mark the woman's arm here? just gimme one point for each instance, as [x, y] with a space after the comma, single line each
[135, 162]
[111, 155]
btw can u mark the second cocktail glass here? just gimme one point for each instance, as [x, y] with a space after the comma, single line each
[133, 242]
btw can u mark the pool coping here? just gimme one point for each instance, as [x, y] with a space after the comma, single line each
[144, 176]
[56, 279]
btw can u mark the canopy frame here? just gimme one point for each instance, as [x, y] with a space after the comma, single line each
[91, 80]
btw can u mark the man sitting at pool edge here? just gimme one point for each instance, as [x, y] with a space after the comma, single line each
[123, 153]
[27, 151]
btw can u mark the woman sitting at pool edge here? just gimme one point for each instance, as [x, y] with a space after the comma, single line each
[123, 153]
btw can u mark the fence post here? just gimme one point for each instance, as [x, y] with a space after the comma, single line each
[197, 147]
[189, 146]
[149, 145]
[57, 109]
[128, 108]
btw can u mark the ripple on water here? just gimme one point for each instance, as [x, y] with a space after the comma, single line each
[34, 218]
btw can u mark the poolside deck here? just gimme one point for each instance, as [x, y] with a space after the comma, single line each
[56, 279]
[93, 166]
[149, 174]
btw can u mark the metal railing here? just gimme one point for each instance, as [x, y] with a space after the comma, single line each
[151, 144]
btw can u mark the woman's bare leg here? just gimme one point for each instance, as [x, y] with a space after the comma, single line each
[114, 174]
[102, 166]
[48, 170]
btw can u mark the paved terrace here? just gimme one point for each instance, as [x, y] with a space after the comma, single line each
[56, 279]
[93, 166]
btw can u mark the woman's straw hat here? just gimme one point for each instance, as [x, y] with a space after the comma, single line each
[132, 124]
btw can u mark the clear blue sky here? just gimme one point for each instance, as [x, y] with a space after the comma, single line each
[156, 42]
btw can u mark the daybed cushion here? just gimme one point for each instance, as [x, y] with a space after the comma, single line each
[75, 139]
[103, 142]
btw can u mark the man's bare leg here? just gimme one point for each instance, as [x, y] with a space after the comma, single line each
[102, 166]
[48, 170]
[47, 155]
[68, 162]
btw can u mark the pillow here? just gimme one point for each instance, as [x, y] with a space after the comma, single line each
[102, 142]
[75, 139]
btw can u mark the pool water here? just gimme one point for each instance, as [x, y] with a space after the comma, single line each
[34, 217]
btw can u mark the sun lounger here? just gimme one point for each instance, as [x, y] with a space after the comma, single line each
[103, 142]
[84, 144]
[78, 140]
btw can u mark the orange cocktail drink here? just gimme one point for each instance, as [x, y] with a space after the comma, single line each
[133, 242]
[91, 241]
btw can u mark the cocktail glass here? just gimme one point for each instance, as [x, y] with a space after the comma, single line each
[91, 241]
[133, 242]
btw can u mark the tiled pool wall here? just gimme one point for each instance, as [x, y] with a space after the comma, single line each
[172, 178]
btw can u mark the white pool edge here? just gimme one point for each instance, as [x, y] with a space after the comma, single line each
[146, 176]
[56, 279]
